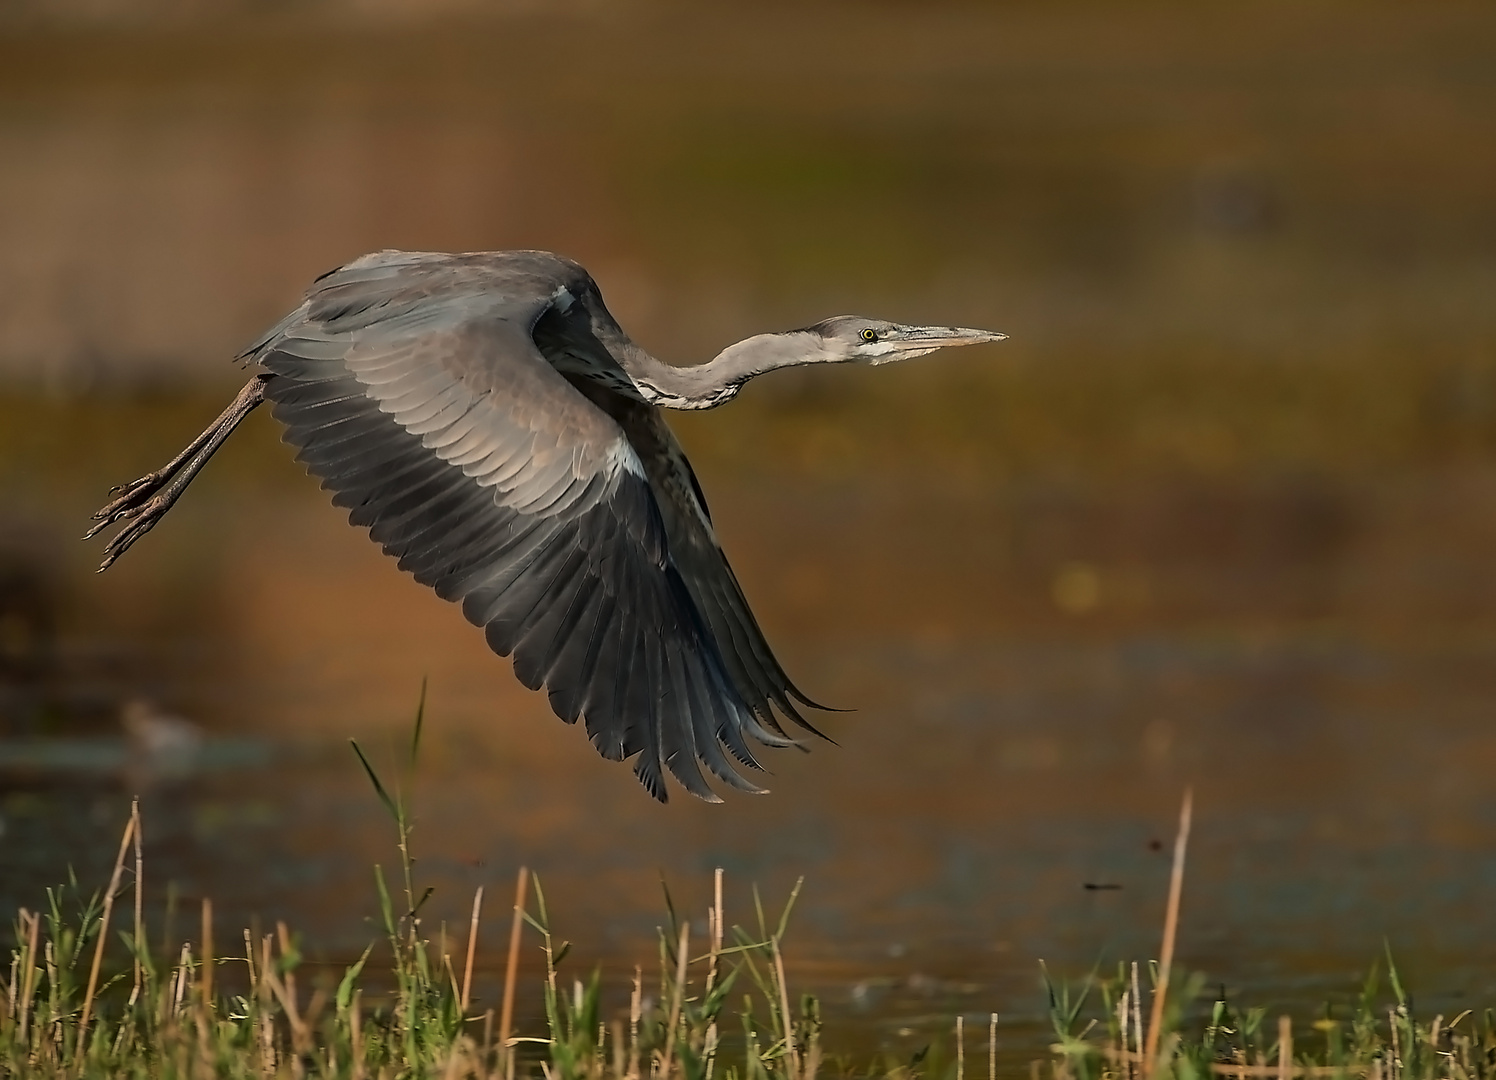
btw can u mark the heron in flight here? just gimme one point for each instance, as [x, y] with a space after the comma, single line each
[497, 432]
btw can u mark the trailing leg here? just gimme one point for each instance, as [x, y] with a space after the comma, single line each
[141, 503]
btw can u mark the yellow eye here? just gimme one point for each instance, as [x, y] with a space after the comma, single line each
[870, 334]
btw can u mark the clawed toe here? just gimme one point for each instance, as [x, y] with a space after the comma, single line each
[141, 519]
[139, 504]
[103, 519]
[130, 500]
[149, 479]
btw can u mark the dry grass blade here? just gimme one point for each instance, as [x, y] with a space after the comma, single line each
[1137, 1013]
[137, 973]
[636, 1010]
[1171, 929]
[356, 1034]
[98, 957]
[205, 976]
[277, 987]
[267, 1028]
[715, 930]
[472, 948]
[676, 994]
[511, 968]
[249, 961]
[791, 1051]
[452, 980]
[29, 980]
[180, 977]
[992, 1048]
[283, 936]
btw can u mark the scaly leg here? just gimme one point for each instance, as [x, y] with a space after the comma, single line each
[143, 502]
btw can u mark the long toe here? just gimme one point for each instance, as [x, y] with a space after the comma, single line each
[133, 499]
[142, 519]
[102, 522]
[111, 514]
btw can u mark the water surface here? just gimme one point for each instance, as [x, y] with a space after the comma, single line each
[1220, 514]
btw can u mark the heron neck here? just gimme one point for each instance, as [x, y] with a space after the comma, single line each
[704, 386]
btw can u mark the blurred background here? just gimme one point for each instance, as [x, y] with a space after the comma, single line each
[1221, 512]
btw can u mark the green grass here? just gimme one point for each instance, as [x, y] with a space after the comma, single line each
[86, 996]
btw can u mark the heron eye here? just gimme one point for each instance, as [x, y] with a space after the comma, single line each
[870, 334]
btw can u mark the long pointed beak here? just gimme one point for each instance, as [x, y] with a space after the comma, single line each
[911, 341]
[943, 337]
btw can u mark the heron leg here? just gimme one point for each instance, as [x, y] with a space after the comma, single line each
[141, 503]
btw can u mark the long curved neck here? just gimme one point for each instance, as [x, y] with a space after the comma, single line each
[704, 386]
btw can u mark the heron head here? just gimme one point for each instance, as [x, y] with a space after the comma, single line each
[876, 341]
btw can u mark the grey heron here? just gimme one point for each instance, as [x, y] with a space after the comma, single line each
[497, 432]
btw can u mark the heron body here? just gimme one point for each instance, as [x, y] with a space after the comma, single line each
[498, 433]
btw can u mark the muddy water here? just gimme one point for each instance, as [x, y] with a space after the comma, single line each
[1219, 515]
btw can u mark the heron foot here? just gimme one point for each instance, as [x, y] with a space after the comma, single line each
[140, 519]
[140, 503]
[128, 500]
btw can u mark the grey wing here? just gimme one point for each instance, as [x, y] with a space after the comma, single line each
[441, 428]
[703, 565]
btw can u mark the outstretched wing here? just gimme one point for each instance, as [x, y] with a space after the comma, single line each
[412, 386]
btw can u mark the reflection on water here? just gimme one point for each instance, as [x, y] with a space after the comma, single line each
[1221, 512]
